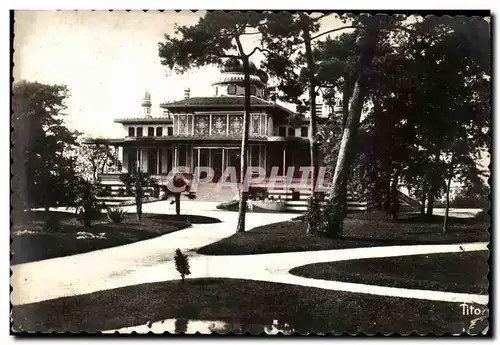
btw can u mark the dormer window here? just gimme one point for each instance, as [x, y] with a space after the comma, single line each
[139, 131]
[291, 131]
[253, 90]
[151, 131]
[304, 132]
[231, 90]
[170, 131]
[131, 131]
[159, 131]
[282, 131]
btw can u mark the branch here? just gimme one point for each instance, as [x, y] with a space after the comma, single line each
[251, 33]
[337, 29]
[230, 56]
[320, 17]
[240, 46]
[262, 50]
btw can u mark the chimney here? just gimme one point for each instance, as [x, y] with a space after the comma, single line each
[186, 93]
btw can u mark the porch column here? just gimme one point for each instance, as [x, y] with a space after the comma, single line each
[198, 162]
[158, 171]
[210, 157]
[223, 157]
[176, 156]
[284, 160]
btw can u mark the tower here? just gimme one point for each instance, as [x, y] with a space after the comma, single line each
[146, 104]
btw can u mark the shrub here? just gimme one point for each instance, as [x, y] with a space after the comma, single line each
[52, 223]
[181, 264]
[116, 215]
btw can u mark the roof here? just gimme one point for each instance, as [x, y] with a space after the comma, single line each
[219, 101]
[224, 102]
[190, 138]
[163, 120]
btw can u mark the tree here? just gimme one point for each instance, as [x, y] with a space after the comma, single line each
[182, 264]
[290, 58]
[43, 168]
[135, 183]
[95, 159]
[86, 205]
[217, 37]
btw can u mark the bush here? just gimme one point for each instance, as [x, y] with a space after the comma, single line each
[116, 215]
[52, 223]
[181, 264]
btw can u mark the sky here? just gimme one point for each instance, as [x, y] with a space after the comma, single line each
[109, 60]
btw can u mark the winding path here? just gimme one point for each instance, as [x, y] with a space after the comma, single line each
[151, 261]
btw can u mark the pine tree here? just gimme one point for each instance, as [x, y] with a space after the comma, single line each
[181, 264]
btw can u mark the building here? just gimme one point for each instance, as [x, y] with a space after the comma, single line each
[207, 131]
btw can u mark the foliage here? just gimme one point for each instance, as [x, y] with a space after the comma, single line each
[87, 206]
[95, 159]
[116, 215]
[181, 264]
[134, 184]
[427, 98]
[44, 168]
[215, 39]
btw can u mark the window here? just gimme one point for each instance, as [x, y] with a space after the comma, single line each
[170, 131]
[253, 90]
[231, 90]
[304, 132]
[151, 131]
[291, 131]
[159, 131]
[139, 131]
[282, 131]
[131, 131]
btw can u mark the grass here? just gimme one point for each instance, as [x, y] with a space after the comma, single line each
[464, 272]
[361, 230]
[32, 242]
[246, 303]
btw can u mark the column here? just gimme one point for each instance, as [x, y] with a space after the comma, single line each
[210, 156]
[227, 124]
[158, 171]
[223, 157]
[210, 125]
[198, 161]
[176, 156]
[284, 160]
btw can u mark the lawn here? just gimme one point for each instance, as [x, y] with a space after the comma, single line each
[247, 304]
[362, 230]
[464, 272]
[31, 241]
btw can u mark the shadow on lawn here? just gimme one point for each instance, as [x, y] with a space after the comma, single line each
[33, 241]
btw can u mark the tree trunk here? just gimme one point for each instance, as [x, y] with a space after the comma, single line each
[244, 147]
[178, 204]
[423, 198]
[336, 214]
[430, 200]
[346, 95]
[394, 196]
[445, 222]
[313, 147]
[138, 199]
